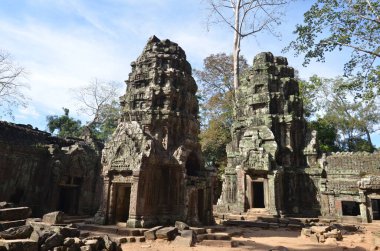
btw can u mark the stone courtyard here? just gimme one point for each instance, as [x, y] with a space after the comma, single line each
[149, 181]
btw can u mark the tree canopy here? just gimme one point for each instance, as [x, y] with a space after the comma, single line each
[344, 120]
[334, 25]
[64, 125]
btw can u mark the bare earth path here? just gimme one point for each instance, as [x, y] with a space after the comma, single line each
[263, 240]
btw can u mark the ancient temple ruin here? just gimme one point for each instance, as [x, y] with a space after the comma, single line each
[152, 167]
[274, 165]
[48, 173]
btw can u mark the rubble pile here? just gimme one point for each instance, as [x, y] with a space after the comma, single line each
[50, 233]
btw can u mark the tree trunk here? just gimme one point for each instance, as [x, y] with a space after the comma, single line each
[236, 44]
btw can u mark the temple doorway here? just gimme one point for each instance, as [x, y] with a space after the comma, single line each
[68, 199]
[123, 197]
[375, 209]
[258, 200]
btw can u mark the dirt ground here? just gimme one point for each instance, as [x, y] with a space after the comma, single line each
[260, 240]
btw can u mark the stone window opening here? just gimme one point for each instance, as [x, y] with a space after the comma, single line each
[350, 208]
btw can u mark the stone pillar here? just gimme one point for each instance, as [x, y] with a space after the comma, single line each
[134, 220]
[279, 191]
[363, 208]
[240, 193]
[111, 203]
[272, 194]
[101, 214]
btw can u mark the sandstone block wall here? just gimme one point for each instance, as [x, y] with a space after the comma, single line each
[48, 173]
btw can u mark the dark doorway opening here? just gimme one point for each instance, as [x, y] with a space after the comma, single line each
[123, 197]
[258, 194]
[375, 209]
[201, 210]
[68, 199]
[192, 165]
[350, 208]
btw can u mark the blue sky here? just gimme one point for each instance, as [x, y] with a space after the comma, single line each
[64, 44]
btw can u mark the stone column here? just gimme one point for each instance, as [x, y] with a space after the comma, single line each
[272, 194]
[101, 214]
[363, 207]
[111, 203]
[240, 189]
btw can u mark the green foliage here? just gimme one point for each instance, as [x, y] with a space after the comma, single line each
[64, 125]
[108, 121]
[216, 96]
[334, 25]
[327, 135]
[338, 107]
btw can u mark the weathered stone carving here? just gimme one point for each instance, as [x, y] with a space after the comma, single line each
[153, 162]
[266, 155]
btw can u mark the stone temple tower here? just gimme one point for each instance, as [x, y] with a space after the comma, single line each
[152, 167]
[266, 158]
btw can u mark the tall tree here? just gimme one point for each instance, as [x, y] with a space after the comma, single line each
[334, 25]
[354, 117]
[216, 92]
[64, 125]
[98, 100]
[11, 84]
[245, 18]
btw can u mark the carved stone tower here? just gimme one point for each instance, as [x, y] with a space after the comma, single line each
[268, 139]
[152, 167]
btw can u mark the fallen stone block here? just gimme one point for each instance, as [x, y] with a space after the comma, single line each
[22, 232]
[53, 241]
[198, 230]
[320, 229]
[151, 233]
[19, 245]
[15, 213]
[4, 225]
[4, 204]
[306, 232]
[181, 225]
[187, 239]
[167, 233]
[53, 217]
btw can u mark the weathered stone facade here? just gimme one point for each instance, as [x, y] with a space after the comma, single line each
[269, 151]
[152, 167]
[48, 173]
[350, 188]
[274, 165]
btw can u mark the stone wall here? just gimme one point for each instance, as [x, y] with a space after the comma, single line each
[351, 180]
[48, 173]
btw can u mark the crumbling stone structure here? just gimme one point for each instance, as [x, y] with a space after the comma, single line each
[350, 188]
[152, 167]
[274, 164]
[48, 173]
[270, 146]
